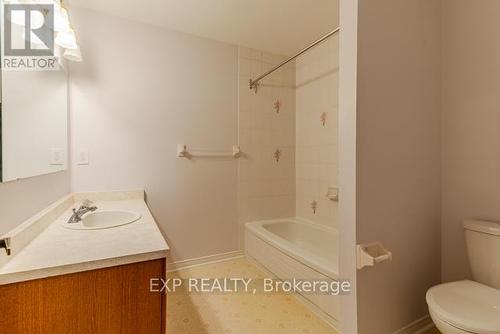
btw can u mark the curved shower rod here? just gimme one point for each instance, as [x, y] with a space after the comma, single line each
[255, 83]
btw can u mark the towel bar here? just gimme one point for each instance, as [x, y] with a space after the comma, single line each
[183, 152]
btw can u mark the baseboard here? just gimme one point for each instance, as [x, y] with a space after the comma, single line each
[200, 261]
[419, 326]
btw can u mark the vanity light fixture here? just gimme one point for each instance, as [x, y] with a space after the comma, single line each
[73, 54]
[61, 17]
[64, 33]
[66, 39]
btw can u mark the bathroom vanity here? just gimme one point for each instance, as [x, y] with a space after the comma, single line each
[62, 279]
[91, 275]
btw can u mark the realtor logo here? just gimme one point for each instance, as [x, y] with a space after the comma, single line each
[29, 37]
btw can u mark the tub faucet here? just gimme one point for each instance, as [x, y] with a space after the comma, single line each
[87, 206]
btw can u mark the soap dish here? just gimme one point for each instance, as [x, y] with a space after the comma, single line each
[370, 254]
[333, 194]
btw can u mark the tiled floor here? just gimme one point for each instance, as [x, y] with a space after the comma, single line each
[238, 313]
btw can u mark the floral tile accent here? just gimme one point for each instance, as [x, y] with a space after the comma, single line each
[323, 118]
[277, 106]
[277, 155]
[314, 206]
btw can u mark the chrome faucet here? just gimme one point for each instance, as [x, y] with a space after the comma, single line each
[87, 206]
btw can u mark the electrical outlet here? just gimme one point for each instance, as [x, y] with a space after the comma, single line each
[56, 157]
[83, 157]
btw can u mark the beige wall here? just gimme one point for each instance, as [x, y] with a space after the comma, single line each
[471, 123]
[19, 200]
[141, 91]
[317, 132]
[398, 158]
[347, 159]
[266, 186]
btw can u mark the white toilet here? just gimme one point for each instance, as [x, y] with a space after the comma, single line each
[467, 306]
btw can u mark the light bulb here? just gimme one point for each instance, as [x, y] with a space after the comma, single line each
[73, 54]
[66, 39]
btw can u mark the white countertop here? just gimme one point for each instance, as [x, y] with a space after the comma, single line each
[58, 250]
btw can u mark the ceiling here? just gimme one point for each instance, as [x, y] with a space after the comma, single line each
[277, 26]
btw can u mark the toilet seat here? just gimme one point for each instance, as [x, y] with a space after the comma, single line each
[466, 305]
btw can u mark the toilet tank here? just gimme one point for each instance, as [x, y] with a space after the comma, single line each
[483, 248]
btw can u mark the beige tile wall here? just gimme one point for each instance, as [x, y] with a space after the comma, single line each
[308, 163]
[316, 143]
[266, 187]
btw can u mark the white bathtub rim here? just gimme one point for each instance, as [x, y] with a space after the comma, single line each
[306, 258]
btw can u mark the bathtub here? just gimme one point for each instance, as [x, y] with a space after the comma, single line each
[296, 248]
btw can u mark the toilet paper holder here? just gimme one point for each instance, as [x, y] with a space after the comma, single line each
[370, 254]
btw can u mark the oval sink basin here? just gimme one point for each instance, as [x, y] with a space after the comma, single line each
[105, 219]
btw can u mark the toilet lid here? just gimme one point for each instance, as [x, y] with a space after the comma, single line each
[467, 305]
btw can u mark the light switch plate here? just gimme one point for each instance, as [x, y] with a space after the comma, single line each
[56, 157]
[83, 157]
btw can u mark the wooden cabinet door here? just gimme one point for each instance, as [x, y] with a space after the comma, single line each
[105, 301]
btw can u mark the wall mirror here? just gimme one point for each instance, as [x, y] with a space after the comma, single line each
[34, 123]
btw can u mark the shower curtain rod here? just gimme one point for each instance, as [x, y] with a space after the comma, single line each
[254, 83]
